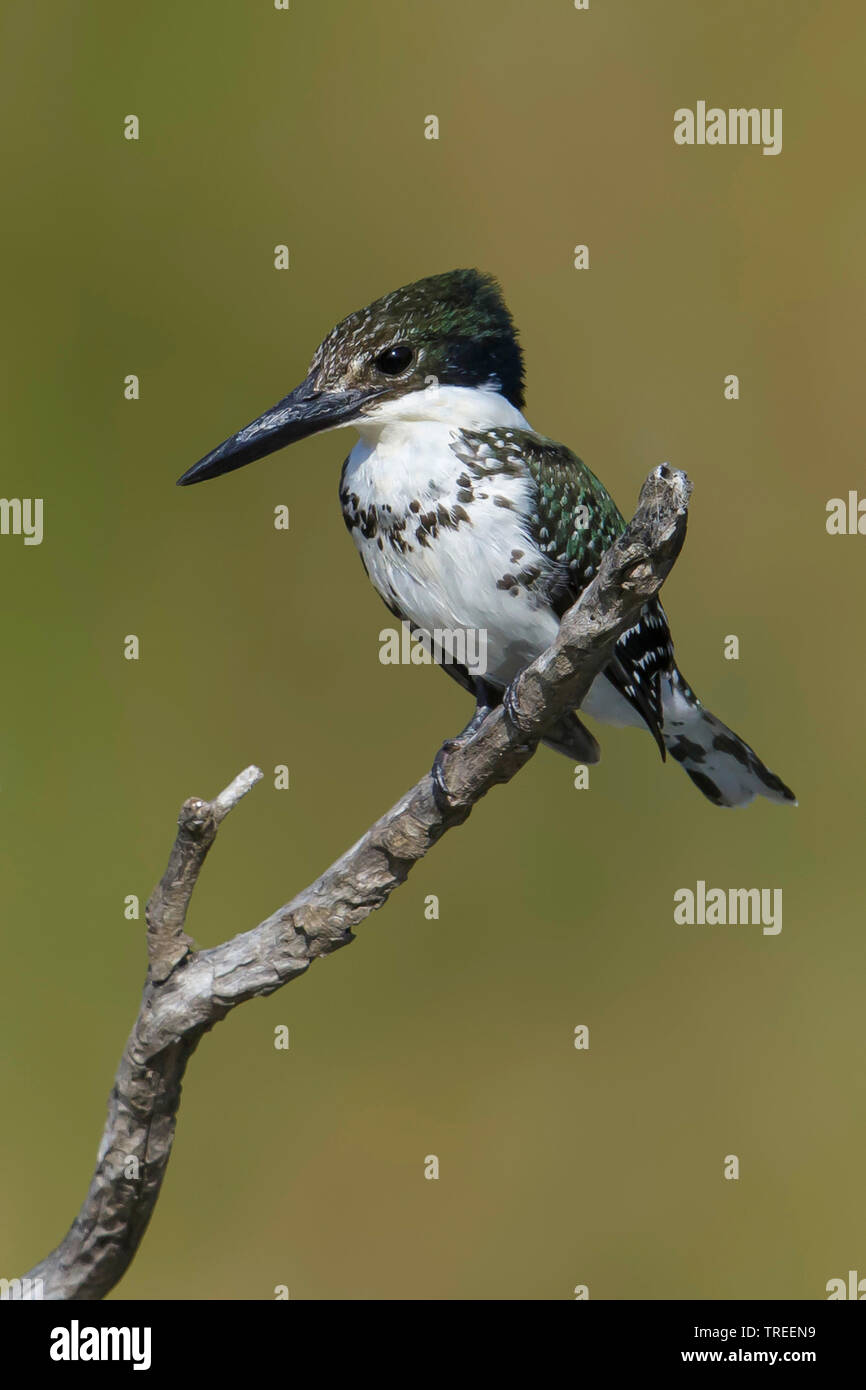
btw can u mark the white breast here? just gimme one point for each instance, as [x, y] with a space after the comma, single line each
[454, 582]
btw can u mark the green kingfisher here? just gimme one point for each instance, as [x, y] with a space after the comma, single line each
[469, 520]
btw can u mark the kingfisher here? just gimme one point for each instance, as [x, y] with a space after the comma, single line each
[468, 520]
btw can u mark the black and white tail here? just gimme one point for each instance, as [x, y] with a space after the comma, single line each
[721, 765]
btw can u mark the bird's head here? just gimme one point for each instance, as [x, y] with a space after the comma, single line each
[447, 330]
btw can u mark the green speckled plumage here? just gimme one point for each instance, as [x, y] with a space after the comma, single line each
[572, 521]
[564, 487]
[566, 491]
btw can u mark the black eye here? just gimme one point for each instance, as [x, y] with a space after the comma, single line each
[396, 359]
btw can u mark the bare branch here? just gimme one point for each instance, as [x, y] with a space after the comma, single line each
[188, 991]
[236, 791]
[167, 942]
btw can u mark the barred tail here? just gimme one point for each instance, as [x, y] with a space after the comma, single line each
[721, 765]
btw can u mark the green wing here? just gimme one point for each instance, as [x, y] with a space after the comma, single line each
[573, 519]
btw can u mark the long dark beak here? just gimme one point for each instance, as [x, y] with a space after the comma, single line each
[303, 412]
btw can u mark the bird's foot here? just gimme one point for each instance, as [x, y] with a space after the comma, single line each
[441, 794]
[512, 713]
[485, 702]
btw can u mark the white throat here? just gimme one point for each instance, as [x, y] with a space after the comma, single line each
[457, 407]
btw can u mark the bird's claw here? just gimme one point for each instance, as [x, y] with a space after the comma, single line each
[512, 713]
[441, 794]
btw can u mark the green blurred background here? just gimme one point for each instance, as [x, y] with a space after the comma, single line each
[454, 1036]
